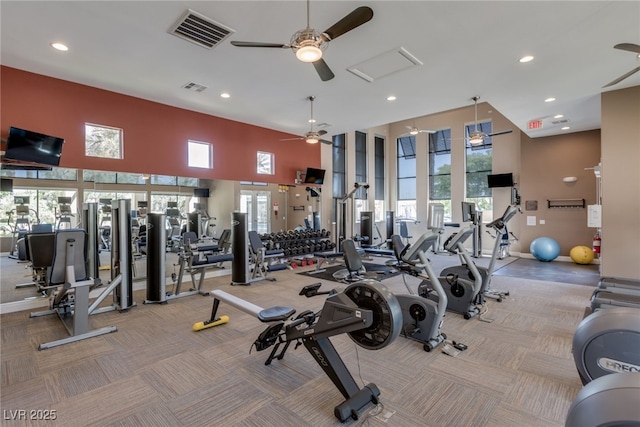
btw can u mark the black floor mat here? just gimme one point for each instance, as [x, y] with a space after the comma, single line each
[383, 271]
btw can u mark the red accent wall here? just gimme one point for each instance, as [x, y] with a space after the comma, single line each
[155, 135]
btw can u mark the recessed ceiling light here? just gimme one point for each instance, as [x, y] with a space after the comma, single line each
[527, 58]
[391, 98]
[549, 99]
[225, 95]
[558, 116]
[565, 128]
[60, 46]
[312, 120]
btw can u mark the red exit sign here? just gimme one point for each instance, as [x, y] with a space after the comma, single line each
[534, 124]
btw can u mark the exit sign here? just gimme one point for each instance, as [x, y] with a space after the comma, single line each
[534, 124]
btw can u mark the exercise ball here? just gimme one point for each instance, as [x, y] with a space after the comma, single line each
[581, 254]
[545, 249]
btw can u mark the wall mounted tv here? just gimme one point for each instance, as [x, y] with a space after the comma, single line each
[500, 180]
[314, 176]
[201, 192]
[33, 147]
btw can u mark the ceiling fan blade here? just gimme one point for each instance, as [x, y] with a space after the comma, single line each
[426, 131]
[323, 70]
[631, 47]
[322, 132]
[353, 20]
[622, 77]
[500, 132]
[293, 139]
[260, 44]
[324, 141]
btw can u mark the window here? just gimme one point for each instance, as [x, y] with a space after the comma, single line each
[360, 197]
[440, 169]
[406, 204]
[339, 165]
[379, 178]
[102, 141]
[478, 166]
[200, 155]
[266, 163]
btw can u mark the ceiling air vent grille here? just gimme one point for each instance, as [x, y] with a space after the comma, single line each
[194, 87]
[199, 29]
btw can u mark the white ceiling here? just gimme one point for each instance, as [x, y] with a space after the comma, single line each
[467, 48]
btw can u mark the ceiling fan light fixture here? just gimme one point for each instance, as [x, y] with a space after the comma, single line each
[309, 53]
[414, 131]
[476, 139]
[312, 140]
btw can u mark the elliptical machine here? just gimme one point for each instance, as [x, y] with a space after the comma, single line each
[464, 270]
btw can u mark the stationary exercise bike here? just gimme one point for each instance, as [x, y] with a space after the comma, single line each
[464, 271]
[422, 318]
[463, 295]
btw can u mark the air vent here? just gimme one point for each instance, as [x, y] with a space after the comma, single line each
[199, 29]
[322, 125]
[559, 122]
[194, 87]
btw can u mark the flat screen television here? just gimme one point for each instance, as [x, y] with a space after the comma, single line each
[314, 176]
[6, 185]
[201, 192]
[500, 180]
[33, 147]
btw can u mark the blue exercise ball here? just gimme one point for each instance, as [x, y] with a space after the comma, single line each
[545, 249]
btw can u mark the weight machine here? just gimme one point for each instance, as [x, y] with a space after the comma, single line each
[340, 212]
[74, 263]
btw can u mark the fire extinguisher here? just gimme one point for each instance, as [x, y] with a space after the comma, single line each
[596, 243]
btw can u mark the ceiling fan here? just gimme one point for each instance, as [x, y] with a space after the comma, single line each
[308, 44]
[476, 137]
[413, 130]
[311, 137]
[631, 47]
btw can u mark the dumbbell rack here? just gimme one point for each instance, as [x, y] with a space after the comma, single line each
[299, 242]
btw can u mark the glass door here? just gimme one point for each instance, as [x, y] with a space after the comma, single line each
[256, 205]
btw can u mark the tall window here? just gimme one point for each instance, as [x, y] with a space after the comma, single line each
[360, 197]
[266, 163]
[379, 178]
[102, 141]
[406, 205]
[200, 155]
[440, 169]
[339, 169]
[478, 166]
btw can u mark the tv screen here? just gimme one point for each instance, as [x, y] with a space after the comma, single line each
[314, 176]
[33, 147]
[6, 185]
[500, 180]
[201, 192]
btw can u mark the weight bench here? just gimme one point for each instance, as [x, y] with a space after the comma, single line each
[351, 311]
[70, 301]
